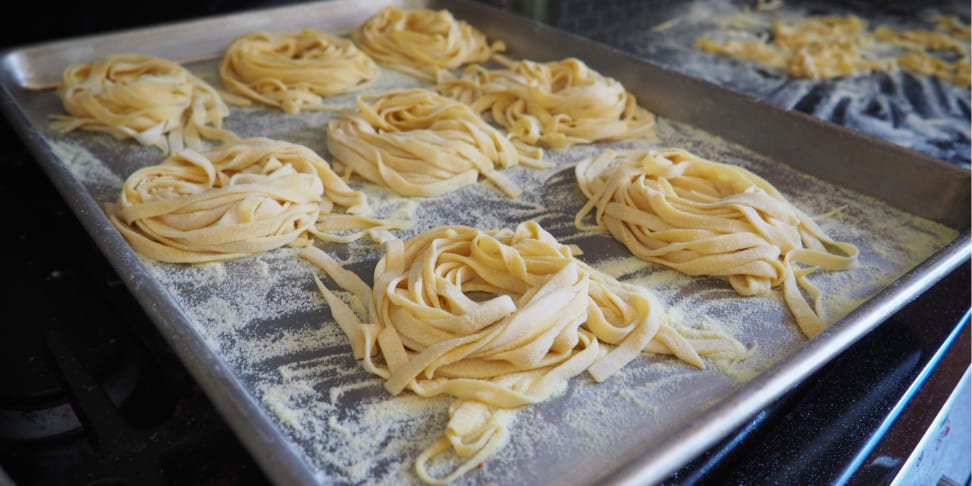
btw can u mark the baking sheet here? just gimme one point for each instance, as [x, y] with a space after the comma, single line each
[256, 335]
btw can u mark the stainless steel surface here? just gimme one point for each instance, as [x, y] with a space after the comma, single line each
[768, 137]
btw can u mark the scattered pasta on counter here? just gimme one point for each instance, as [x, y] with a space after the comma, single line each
[423, 42]
[155, 101]
[500, 320]
[705, 218]
[418, 143]
[236, 200]
[822, 47]
[552, 104]
[294, 71]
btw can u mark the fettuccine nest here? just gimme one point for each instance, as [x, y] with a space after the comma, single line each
[295, 71]
[418, 143]
[422, 42]
[500, 320]
[552, 104]
[154, 101]
[237, 200]
[707, 218]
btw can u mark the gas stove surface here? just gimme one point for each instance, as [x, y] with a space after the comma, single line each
[91, 393]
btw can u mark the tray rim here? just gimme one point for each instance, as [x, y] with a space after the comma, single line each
[274, 452]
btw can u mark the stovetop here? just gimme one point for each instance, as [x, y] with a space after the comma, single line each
[91, 393]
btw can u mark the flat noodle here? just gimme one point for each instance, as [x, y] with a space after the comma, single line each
[154, 101]
[823, 47]
[293, 71]
[499, 320]
[236, 200]
[422, 42]
[418, 143]
[706, 218]
[553, 104]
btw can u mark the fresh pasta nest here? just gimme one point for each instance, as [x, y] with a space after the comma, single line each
[554, 104]
[707, 218]
[236, 200]
[418, 143]
[499, 320]
[293, 71]
[422, 42]
[154, 101]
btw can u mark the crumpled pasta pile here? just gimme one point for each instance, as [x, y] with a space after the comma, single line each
[422, 42]
[236, 200]
[154, 101]
[554, 104]
[418, 143]
[707, 218]
[293, 71]
[499, 320]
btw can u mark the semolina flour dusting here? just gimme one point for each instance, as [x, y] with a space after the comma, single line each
[263, 317]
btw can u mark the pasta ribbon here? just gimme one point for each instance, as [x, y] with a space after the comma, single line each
[293, 71]
[555, 104]
[707, 218]
[422, 42]
[236, 200]
[154, 101]
[498, 319]
[418, 143]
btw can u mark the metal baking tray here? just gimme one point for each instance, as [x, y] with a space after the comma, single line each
[259, 340]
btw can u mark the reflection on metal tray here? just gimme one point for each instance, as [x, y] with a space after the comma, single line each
[258, 339]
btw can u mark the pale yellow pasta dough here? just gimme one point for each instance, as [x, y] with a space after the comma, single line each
[418, 143]
[236, 200]
[707, 218]
[498, 319]
[154, 101]
[553, 104]
[820, 47]
[293, 71]
[422, 42]
[836, 46]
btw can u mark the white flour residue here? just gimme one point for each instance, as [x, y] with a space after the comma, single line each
[87, 168]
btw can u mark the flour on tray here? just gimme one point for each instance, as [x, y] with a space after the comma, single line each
[264, 317]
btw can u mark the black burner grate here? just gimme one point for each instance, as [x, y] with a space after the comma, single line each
[95, 396]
